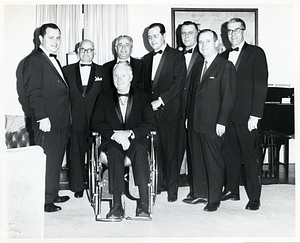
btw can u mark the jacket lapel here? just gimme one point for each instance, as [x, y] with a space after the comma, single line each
[192, 61]
[129, 105]
[52, 66]
[117, 107]
[78, 78]
[238, 62]
[91, 78]
[159, 68]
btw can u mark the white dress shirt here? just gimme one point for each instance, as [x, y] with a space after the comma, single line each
[234, 55]
[156, 60]
[84, 73]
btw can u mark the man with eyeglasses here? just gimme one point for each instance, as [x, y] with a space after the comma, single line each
[123, 49]
[86, 80]
[241, 138]
[47, 91]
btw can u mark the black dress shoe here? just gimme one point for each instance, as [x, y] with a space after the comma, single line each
[172, 197]
[116, 212]
[142, 210]
[253, 204]
[190, 195]
[50, 207]
[230, 195]
[211, 207]
[195, 200]
[61, 199]
[78, 194]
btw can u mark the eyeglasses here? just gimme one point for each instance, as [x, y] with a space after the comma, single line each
[235, 31]
[89, 51]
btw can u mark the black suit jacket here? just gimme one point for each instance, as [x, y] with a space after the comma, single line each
[107, 116]
[196, 57]
[46, 91]
[82, 102]
[252, 83]
[211, 101]
[136, 64]
[168, 83]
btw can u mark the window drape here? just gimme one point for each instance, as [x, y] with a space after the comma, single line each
[101, 23]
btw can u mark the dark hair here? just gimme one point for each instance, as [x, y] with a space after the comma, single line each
[237, 20]
[45, 26]
[209, 30]
[161, 27]
[190, 23]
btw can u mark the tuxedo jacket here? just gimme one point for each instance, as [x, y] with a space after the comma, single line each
[252, 83]
[168, 83]
[83, 100]
[211, 100]
[107, 115]
[46, 90]
[136, 64]
[196, 57]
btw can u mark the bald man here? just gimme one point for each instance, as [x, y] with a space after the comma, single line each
[86, 80]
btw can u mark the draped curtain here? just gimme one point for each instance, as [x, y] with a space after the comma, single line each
[101, 23]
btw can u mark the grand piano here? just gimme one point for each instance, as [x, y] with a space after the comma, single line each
[276, 128]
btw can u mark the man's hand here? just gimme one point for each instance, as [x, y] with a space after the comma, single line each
[45, 125]
[125, 144]
[252, 123]
[220, 130]
[156, 104]
[121, 136]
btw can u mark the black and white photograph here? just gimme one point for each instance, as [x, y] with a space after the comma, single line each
[137, 121]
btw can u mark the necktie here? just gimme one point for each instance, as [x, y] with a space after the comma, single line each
[126, 95]
[52, 55]
[234, 49]
[187, 51]
[85, 65]
[204, 70]
[158, 52]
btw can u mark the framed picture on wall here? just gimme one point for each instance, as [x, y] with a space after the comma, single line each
[215, 19]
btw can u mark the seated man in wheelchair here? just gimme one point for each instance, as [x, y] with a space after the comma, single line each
[123, 116]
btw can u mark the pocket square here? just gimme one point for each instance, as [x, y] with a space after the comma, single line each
[98, 78]
[212, 77]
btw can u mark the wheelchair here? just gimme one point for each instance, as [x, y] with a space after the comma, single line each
[97, 171]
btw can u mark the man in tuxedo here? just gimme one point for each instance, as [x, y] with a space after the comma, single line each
[211, 100]
[47, 93]
[123, 48]
[123, 116]
[86, 80]
[189, 33]
[241, 138]
[165, 73]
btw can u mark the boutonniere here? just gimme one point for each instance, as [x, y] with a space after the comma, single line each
[212, 77]
[98, 79]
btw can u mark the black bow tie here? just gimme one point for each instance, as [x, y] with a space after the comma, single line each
[85, 65]
[126, 95]
[187, 51]
[234, 49]
[52, 55]
[158, 52]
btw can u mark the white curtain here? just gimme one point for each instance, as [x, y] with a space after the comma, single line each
[102, 24]
[69, 19]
